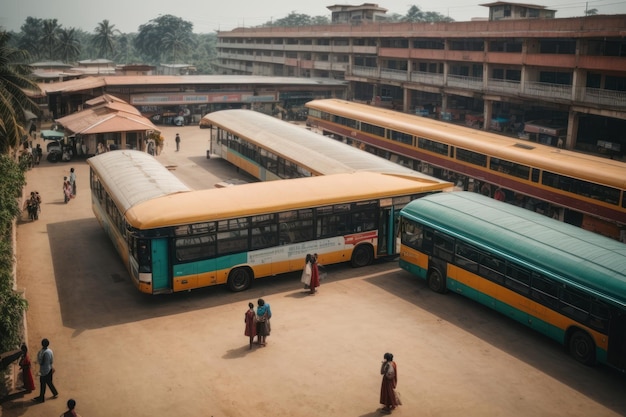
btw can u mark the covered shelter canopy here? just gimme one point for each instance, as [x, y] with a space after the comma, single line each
[52, 135]
[108, 115]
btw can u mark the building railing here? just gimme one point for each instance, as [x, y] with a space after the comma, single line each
[558, 91]
[427, 78]
[546, 91]
[463, 81]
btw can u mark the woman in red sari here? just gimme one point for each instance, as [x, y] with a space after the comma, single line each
[388, 396]
[315, 275]
[250, 321]
[27, 374]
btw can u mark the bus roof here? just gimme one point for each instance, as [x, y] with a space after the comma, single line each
[260, 198]
[577, 256]
[574, 164]
[132, 177]
[319, 154]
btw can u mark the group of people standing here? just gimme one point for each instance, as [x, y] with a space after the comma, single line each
[45, 359]
[311, 273]
[69, 186]
[258, 323]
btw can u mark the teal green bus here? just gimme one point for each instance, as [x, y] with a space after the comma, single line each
[565, 282]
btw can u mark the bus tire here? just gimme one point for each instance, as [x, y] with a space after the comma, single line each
[436, 281]
[362, 255]
[582, 348]
[240, 279]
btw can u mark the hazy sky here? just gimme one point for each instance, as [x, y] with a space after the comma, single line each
[211, 15]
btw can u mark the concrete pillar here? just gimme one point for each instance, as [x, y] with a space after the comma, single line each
[487, 114]
[406, 102]
[572, 130]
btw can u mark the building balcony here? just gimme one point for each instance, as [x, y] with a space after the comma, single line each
[542, 91]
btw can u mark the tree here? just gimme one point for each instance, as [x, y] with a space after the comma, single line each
[415, 14]
[149, 40]
[50, 37]
[176, 43]
[30, 37]
[104, 39]
[14, 82]
[591, 12]
[298, 19]
[69, 46]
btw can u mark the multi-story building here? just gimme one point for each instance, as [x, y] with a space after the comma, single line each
[558, 81]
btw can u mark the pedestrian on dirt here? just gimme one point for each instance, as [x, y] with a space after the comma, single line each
[315, 276]
[388, 395]
[177, 140]
[27, 373]
[263, 316]
[306, 271]
[72, 180]
[67, 190]
[71, 409]
[38, 154]
[250, 320]
[45, 358]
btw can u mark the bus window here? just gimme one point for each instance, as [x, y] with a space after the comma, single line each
[492, 268]
[194, 247]
[575, 303]
[263, 231]
[466, 257]
[517, 279]
[412, 234]
[545, 291]
[443, 247]
[232, 236]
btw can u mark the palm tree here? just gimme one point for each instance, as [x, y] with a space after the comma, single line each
[177, 42]
[104, 39]
[50, 36]
[69, 45]
[14, 83]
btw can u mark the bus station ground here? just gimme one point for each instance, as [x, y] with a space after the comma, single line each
[119, 352]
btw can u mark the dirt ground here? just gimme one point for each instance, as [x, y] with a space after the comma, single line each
[118, 352]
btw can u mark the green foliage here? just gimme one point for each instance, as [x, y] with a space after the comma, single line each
[14, 82]
[158, 38]
[12, 304]
[12, 307]
[298, 19]
[104, 39]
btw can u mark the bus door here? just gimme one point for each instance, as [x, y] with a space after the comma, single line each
[386, 232]
[616, 354]
[160, 266]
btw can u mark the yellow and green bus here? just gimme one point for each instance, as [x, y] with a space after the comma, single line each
[175, 239]
[563, 281]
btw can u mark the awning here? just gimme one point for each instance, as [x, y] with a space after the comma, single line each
[52, 135]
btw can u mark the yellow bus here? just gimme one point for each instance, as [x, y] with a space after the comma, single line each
[584, 190]
[272, 149]
[174, 239]
[562, 281]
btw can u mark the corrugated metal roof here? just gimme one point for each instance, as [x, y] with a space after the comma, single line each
[111, 116]
[319, 154]
[134, 177]
[88, 83]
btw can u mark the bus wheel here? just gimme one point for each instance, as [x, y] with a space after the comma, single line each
[436, 281]
[362, 255]
[239, 279]
[582, 348]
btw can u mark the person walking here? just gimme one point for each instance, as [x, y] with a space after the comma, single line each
[71, 409]
[250, 320]
[315, 276]
[388, 394]
[306, 272]
[72, 180]
[263, 316]
[67, 190]
[45, 358]
[27, 373]
[177, 140]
